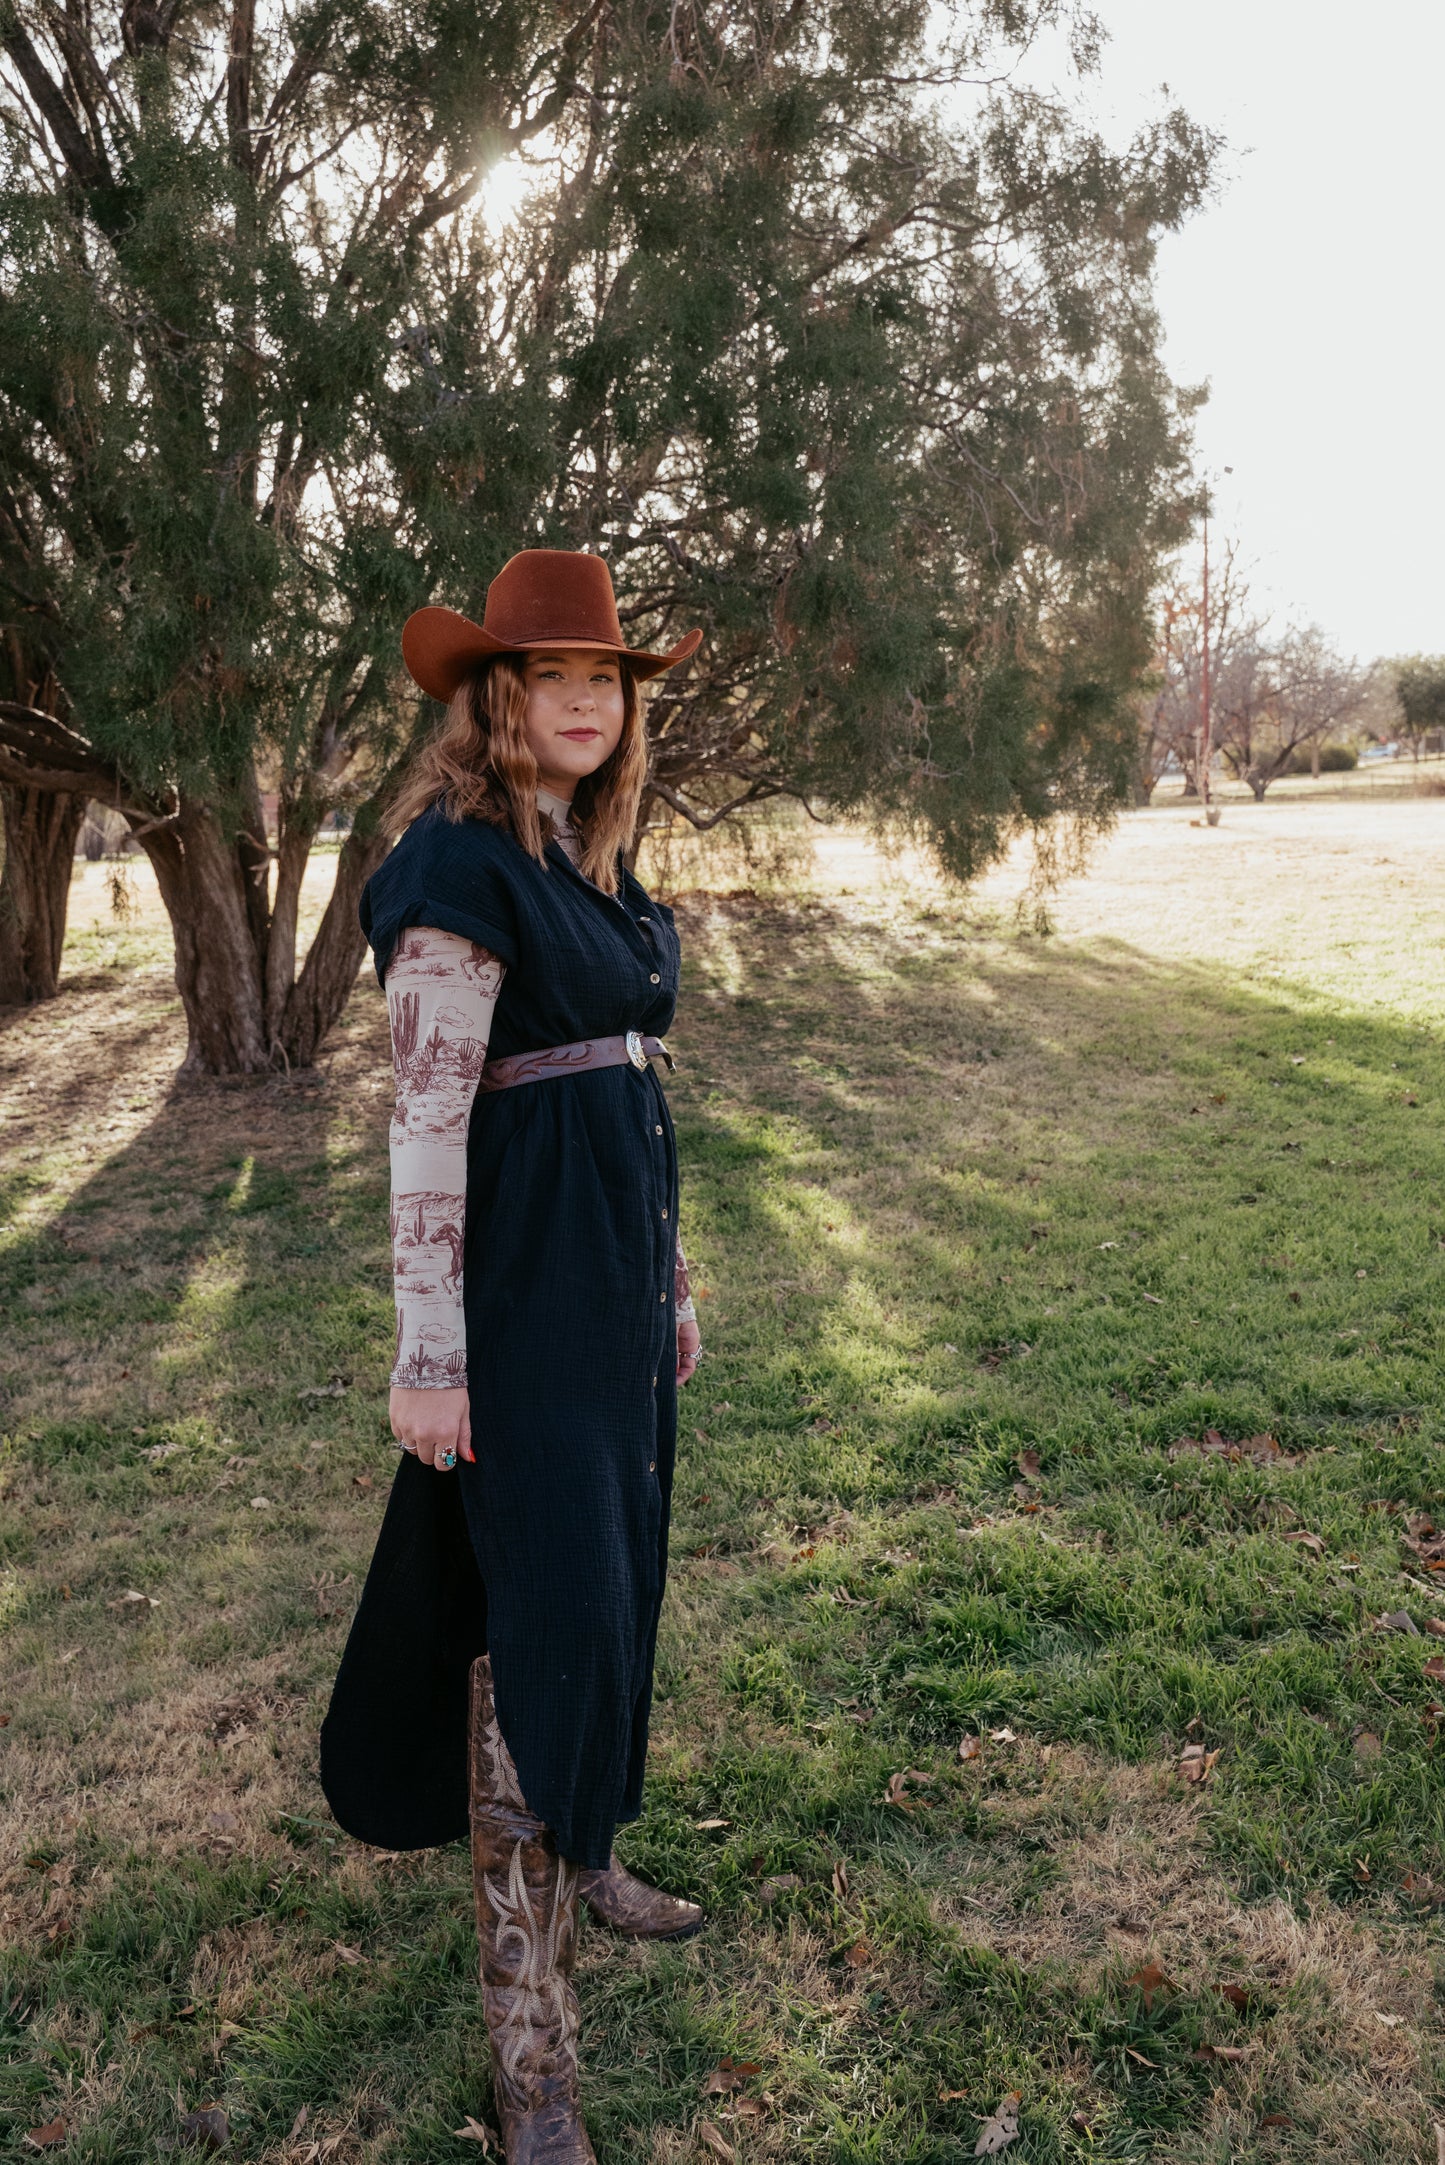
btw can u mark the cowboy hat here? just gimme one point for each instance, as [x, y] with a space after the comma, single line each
[540, 598]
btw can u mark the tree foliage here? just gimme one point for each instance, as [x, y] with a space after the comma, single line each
[822, 336]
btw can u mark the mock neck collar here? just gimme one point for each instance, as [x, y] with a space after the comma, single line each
[559, 807]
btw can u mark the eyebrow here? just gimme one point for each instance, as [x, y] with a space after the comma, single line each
[601, 660]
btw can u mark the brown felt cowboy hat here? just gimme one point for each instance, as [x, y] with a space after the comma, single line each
[542, 597]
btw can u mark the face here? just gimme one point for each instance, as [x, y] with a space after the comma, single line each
[575, 712]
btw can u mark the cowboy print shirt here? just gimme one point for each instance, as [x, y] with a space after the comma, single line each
[440, 993]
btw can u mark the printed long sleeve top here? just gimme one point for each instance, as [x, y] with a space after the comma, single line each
[441, 990]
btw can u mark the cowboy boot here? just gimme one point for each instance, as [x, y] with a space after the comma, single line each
[527, 1926]
[616, 1898]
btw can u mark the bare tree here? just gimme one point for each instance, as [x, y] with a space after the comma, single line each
[1171, 721]
[1281, 698]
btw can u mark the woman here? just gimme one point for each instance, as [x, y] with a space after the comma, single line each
[499, 1669]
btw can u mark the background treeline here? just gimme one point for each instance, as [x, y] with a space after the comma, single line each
[821, 330]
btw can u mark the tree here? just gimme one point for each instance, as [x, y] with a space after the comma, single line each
[38, 829]
[1280, 698]
[872, 392]
[1420, 695]
[1171, 719]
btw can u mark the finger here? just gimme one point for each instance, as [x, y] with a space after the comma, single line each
[464, 1438]
[423, 1447]
[444, 1458]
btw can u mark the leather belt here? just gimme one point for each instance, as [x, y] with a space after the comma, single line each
[632, 1049]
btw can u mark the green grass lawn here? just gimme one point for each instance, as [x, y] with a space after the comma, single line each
[1073, 1330]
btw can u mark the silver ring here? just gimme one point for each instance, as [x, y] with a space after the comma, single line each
[447, 1460]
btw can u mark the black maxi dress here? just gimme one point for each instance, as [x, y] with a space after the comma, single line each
[550, 1552]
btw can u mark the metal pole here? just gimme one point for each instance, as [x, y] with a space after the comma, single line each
[1205, 748]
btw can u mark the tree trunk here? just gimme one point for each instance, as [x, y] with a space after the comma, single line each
[1144, 787]
[218, 971]
[1315, 758]
[40, 829]
[332, 961]
[206, 884]
[1258, 782]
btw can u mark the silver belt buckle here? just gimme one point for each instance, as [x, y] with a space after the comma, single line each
[635, 1052]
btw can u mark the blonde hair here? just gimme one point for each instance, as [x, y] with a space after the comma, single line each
[479, 765]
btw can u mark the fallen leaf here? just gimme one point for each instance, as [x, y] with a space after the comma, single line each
[4, 1721]
[1282, 2119]
[41, 2138]
[996, 2134]
[474, 2131]
[1154, 1299]
[1108, 1244]
[1140, 2057]
[971, 1748]
[1367, 1745]
[1196, 1764]
[1391, 2022]
[335, 1389]
[1003, 1736]
[1435, 1625]
[859, 1955]
[1219, 2052]
[1397, 1620]
[1439, 2143]
[1151, 1979]
[222, 1821]
[746, 2108]
[1235, 1994]
[260, 1503]
[351, 1955]
[706, 1826]
[898, 1789]
[208, 2126]
[300, 2121]
[1312, 1542]
[949, 2097]
[840, 1880]
[1028, 1465]
[730, 2075]
[781, 1883]
[713, 2139]
[130, 1598]
[1435, 1666]
[361, 1481]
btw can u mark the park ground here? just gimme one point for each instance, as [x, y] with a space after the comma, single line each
[1028, 1718]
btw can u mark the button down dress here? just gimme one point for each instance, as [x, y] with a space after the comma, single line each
[550, 1551]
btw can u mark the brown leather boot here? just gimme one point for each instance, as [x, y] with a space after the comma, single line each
[527, 1926]
[636, 1910]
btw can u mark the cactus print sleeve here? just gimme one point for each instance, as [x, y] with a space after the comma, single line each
[440, 993]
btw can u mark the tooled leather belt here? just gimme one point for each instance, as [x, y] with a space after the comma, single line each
[633, 1048]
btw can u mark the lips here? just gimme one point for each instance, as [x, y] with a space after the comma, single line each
[580, 736]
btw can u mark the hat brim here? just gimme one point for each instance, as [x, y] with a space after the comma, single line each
[441, 647]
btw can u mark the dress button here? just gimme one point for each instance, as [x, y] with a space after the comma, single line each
[664, 1214]
[663, 1298]
[654, 1383]
[652, 1465]
[655, 979]
[644, 920]
[658, 1129]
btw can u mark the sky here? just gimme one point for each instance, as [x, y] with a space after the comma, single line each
[1311, 294]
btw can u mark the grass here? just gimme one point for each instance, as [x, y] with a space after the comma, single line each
[986, 1224]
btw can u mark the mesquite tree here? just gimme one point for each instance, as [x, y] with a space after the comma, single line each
[820, 341]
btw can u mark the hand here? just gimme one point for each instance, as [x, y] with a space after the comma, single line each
[689, 1346]
[436, 1425]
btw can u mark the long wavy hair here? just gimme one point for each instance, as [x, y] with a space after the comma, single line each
[478, 765]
